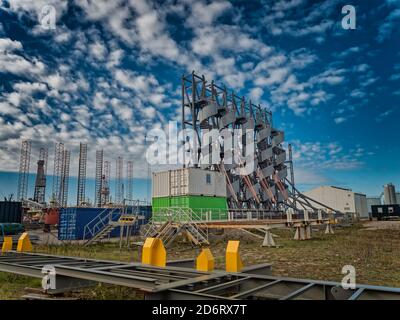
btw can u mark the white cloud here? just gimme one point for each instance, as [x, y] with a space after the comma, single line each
[16, 64]
[8, 45]
[256, 94]
[98, 50]
[340, 120]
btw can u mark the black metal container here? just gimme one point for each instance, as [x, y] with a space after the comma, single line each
[383, 211]
[10, 211]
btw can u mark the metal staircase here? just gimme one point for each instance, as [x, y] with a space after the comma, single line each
[178, 220]
[102, 225]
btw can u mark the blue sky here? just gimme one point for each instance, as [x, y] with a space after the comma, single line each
[110, 71]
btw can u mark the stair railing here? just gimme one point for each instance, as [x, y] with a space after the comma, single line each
[100, 222]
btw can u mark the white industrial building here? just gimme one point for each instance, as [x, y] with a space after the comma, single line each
[340, 199]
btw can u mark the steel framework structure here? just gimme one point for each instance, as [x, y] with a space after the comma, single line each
[57, 172]
[119, 195]
[81, 174]
[129, 176]
[65, 178]
[40, 183]
[105, 184]
[98, 177]
[208, 108]
[39, 195]
[178, 280]
[24, 163]
[44, 155]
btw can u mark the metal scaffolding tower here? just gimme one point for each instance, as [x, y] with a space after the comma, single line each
[129, 175]
[81, 174]
[105, 184]
[24, 170]
[65, 178]
[40, 183]
[98, 177]
[256, 171]
[118, 180]
[44, 155]
[57, 172]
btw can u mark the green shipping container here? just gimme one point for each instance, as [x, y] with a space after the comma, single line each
[206, 208]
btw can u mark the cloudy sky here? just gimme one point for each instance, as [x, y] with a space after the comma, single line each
[110, 71]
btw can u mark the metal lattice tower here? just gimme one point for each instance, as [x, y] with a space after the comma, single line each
[118, 180]
[98, 177]
[105, 190]
[40, 183]
[207, 107]
[210, 110]
[24, 170]
[65, 178]
[44, 155]
[57, 172]
[80, 198]
[129, 176]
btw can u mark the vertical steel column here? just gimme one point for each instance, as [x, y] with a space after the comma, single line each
[82, 174]
[24, 170]
[105, 191]
[40, 183]
[98, 178]
[118, 180]
[65, 178]
[57, 172]
[129, 175]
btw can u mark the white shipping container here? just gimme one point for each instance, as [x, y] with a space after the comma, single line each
[189, 181]
[160, 184]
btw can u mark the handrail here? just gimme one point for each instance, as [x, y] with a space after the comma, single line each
[188, 219]
[102, 222]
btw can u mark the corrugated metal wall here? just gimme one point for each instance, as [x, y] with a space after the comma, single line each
[73, 220]
[206, 207]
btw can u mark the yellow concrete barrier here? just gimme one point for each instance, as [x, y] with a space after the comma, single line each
[233, 261]
[205, 260]
[24, 244]
[154, 253]
[7, 244]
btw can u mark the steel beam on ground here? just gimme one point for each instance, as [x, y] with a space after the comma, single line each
[184, 283]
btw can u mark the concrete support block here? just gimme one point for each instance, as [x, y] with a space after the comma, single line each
[205, 260]
[154, 253]
[233, 261]
[329, 229]
[300, 233]
[268, 239]
[7, 244]
[24, 244]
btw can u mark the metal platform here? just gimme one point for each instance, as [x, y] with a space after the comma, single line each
[179, 281]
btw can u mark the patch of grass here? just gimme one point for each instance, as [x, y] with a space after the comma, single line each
[12, 286]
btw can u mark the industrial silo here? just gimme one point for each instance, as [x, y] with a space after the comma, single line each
[389, 192]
